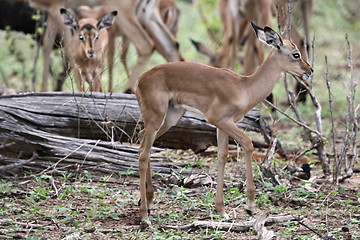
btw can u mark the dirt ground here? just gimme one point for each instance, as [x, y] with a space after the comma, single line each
[86, 206]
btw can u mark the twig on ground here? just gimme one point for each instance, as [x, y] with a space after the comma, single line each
[32, 226]
[309, 228]
[54, 186]
[226, 226]
[260, 229]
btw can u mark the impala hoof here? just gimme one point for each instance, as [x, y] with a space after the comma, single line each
[128, 91]
[250, 207]
[144, 224]
[226, 217]
[250, 212]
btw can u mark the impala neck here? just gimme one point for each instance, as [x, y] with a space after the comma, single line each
[262, 82]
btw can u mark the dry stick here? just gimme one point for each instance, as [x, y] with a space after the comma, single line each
[310, 228]
[260, 229]
[62, 159]
[265, 166]
[54, 186]
[300, 123]
[350, 138]
[101, 115]
[87, 154]
[320, 148]
[226, 226]
[353, 111]
[345, 142]
[304, 152]
[270, 153]
[331, 116]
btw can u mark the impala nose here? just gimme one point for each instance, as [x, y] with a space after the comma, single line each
[91, 53]
[312, 70]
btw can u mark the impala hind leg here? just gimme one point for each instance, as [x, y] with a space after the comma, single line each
[146, 189]
[172, 116]
[153, 120]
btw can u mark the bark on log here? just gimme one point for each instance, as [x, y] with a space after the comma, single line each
[55, 124]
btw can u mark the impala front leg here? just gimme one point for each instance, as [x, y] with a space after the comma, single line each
[247, 145]
[239, 136]
[79, 78]
[49, 39]
[223, 146]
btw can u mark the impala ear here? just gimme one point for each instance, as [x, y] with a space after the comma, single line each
[268, 36]
[69, 19]
[107, 20]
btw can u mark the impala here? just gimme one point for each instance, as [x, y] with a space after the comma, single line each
[161, 23]
[167, 91]
[55, 26]
[88, 46]
[259, 11]
[236, 16]
[128, 24]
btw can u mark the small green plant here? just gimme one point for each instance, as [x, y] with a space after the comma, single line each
[40, 193]
[127, 173]
[263, 199]
[280, 189]
[5, 187]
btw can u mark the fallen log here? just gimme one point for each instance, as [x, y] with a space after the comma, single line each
[85, 129]
[114, 117]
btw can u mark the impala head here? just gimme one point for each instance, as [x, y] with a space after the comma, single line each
[292, 62]
[87, 29]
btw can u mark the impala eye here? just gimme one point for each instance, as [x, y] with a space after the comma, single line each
[96, 37]
[296, 55]
[81, 37]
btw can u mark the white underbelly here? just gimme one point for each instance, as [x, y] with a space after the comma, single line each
[192, 109]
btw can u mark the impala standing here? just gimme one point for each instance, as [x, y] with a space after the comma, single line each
[167, 91]
[88, 46]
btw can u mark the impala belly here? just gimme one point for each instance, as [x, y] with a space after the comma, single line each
[191, 109]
